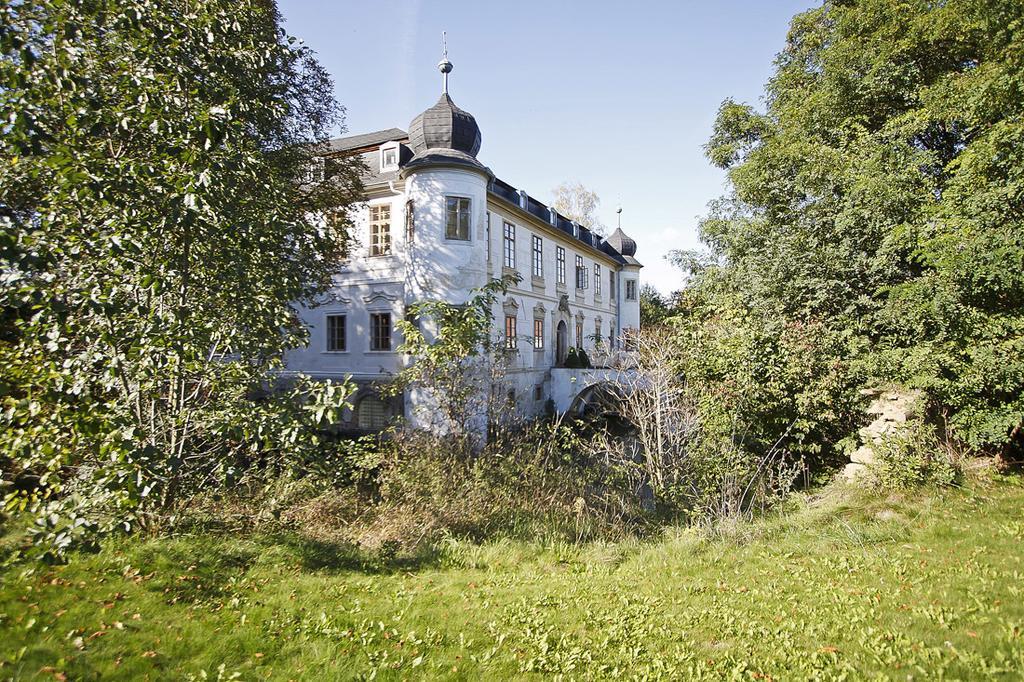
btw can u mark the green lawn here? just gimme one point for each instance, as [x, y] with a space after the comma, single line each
[850, 584]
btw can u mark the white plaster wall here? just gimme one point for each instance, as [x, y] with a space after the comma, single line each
[531, 296]
[431, 266]
[567, 383]
[629, 311]
[357, 301]
[438, 267]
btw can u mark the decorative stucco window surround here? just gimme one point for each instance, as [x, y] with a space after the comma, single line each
[539, 312]
[511, 330]
[381, 308]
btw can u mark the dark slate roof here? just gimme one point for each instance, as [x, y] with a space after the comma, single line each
[444, 157]
[621, 243]
[373, 175]
[448, 136]
[445, 126]
[503, 190]
[342, 144]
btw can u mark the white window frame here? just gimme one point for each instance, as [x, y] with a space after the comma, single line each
[537, 249]
[373, 332]
[380, 231]
[469, 217]
[597, 278]
[385, 151]
[538, 333]
[327, 332]
[560, 265]
[508, 232]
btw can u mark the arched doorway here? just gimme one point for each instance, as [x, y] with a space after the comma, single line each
[561, 343]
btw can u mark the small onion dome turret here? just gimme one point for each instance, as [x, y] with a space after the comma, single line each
[445, 126]
[622, 243]
[445, 135]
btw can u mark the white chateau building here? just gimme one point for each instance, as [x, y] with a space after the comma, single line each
[436, 224]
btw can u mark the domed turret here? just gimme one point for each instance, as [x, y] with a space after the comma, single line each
[445, 126]
[622, 243]
[444, 135]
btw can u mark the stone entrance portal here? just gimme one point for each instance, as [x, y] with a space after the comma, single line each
[561, 343]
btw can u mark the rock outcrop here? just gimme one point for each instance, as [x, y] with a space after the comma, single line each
[891, 410]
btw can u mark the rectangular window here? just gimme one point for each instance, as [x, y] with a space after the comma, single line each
[538, 256]
[380, 230]
[510, 245]
[510, 332]
[410, 222]
[581, 273]
[457, 221]
[579, 335]
[389, 158]
[630, 289]
[315, 170]
[538, 334]
[611, 285]
[336, 333]
[597, 331]
[380, 331]
[560, 264]
[597, 279]
[611, 334]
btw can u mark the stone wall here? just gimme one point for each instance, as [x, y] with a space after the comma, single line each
[891, 410]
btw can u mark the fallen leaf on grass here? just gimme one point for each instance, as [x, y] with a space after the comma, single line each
[149, 654]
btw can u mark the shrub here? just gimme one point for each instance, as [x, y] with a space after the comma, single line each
[914, 456]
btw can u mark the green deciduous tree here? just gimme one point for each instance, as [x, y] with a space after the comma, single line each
[878, 199]
[454, 361]
[654, 308]
[159, 219]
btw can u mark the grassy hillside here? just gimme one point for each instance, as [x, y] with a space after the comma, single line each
[918, 586]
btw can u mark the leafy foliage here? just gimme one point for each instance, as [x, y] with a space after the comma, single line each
[912, 457]
[574, 201]
[928, 583]
[158, 222]
[875, 220]
[654, 308]
[455, 362]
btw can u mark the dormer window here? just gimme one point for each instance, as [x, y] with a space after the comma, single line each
[389, 157]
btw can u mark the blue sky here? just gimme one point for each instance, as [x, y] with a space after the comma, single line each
[620, 96]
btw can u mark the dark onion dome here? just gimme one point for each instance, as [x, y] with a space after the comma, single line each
[621, 243]
[445, 126]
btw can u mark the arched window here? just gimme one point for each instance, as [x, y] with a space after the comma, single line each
[372, 414]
